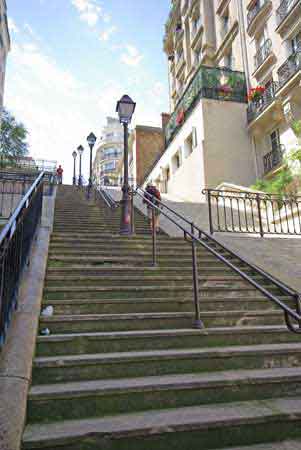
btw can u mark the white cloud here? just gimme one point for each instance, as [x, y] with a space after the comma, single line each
[89, 11]
[106, 34]
[131, 56]
[12, 26]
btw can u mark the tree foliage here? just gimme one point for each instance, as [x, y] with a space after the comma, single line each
[13, 136]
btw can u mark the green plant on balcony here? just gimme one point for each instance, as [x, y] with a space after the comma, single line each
[296, 127]
[281, 183]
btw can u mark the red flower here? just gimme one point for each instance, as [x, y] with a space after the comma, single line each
[255, 93]
[180, 117]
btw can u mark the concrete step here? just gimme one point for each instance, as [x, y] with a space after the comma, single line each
[79, 400]
[56, 369]
[205, 427]
[125, 341]
[168, 304]
[85, 323]
[149, 279]
[133, 291]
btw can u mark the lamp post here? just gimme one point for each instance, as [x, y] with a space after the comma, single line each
[91, 139]
[80, 150]
[74, 154]
[125, 109]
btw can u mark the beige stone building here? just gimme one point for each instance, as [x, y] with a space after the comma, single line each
[218, 50]
[108, 153]
[4, 46]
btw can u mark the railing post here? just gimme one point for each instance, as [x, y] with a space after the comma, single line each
[210, 212]
[154, 238]
[197, 320]
[132, 212]
[261, 231]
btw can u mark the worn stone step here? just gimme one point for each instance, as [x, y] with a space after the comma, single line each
[205, 426]
[123, 341]
[77, 400]
[145, 321]
[47, 370]
[148, 279]
[98, 292]
[168, 304]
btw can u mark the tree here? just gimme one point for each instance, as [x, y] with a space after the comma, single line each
[13, 136]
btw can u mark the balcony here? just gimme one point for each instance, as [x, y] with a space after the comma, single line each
[291, 66]
[262, 56]
[211, 83]
[196, 31]
[257, 14]
[273, 159]
[287, 13]
[255, 108]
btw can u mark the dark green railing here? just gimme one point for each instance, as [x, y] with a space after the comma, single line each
[209, 82]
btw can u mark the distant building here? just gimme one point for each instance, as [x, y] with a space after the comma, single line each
[4, 46]
[146, 145]
[108, 153]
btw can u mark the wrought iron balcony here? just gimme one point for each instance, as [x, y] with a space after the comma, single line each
[272, 159]
[256, 107]
[196, 26]
[255, 11]
[262, 54]
[290, 67]
[208, 82]
[284, 9]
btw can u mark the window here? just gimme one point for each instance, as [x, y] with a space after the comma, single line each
[275, 140]
[296, 43]
[176, 161]
[188, 147]
[228, 60]
[197, 57]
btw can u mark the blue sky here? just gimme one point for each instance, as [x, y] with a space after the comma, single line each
[71, 60]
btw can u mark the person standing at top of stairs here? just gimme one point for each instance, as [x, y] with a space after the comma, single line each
[59, 174]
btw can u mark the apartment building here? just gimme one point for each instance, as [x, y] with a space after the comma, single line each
[273, 38]
[4, 46]
[108, 153]
[217, 51]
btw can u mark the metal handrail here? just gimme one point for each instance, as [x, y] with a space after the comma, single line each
[289, 313]
[15, 243]
[107, 198]
[11, 223]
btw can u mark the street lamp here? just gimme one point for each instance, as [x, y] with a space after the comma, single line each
[74, 154]
[125, 109]
[80, 150]
[91, 139]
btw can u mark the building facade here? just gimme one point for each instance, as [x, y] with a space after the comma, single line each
[108, 153]
[217, 51]
[4, 46]
[146, 145]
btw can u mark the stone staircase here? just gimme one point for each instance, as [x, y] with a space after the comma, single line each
[123, 368]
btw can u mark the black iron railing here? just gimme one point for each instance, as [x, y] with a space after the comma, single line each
[255, 11]
[273, 158]
[15, 242]
[290, 67]
[264, 282]
[253, 213]
[256, 107]
[285, 8]
[263, 52]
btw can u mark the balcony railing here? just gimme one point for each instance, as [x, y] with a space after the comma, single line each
[290, 67]
[284, 9]
[273, 158]
[263, 53]
[111, 155]
[255, 108]
[213, 83]
[255, 11]
[196, 27]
